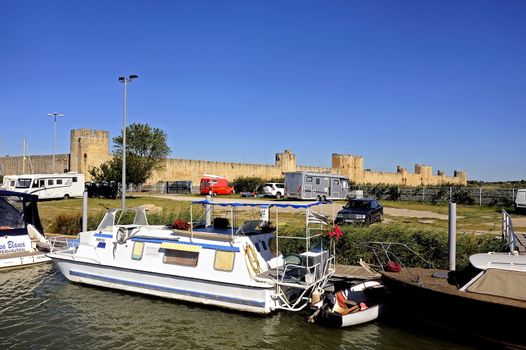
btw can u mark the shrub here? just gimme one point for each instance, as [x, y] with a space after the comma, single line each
[462, 196]
[247, 184]
[431, 245]
[66, 224]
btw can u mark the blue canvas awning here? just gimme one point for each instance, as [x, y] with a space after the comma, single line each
[261, 205]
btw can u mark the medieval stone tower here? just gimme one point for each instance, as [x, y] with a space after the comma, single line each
[286, 161]
[88, 148]
[350, 166]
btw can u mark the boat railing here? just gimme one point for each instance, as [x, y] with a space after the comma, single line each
[383, 251]
[508, 234]
[62, 243]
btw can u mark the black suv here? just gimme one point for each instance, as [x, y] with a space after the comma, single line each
[363, 210]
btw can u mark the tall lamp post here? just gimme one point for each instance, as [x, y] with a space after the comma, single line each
[54, 115]
[124, 80]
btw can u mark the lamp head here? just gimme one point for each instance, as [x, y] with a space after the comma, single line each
[133, 76]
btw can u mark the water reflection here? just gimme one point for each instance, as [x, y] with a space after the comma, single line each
[40, 309]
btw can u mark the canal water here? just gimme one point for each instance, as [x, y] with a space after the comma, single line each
[40, 309]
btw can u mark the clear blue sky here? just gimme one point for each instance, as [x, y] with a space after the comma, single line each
[441, 83]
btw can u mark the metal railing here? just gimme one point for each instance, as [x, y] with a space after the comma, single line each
[508, 234]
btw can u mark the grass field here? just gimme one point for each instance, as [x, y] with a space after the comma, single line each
[470, 219]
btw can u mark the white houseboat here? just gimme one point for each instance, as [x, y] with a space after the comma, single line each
[214, 262]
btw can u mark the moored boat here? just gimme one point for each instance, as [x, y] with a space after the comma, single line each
[214, 262]
[485, 301]
[22, 240]
[358, 304]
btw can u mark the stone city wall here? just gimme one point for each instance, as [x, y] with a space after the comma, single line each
[90, 148]
[33, 164]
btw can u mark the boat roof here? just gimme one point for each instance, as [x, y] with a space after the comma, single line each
[261, 205]
[25, 196]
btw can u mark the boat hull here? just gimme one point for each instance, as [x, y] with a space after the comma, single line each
[21, 261]
[494, 322]
[220, 294]
[337, 320]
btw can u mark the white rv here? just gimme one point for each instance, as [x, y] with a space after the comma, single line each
[9, 182]
[520, 200]
[50, 186]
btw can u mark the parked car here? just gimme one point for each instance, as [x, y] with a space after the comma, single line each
[214, 186]
[274, 189]
[363, 210]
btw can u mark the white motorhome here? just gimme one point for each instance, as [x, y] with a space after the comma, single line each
[520, 200]
[9, 182]
[50, 186]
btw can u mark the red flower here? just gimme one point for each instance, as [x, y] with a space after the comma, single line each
[336, 233]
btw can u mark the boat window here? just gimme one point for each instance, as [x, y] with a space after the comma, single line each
[179, 257]
[59, 182]
[50, 182]
[257, 247]
[11, 213]
[138, 249]
[23, 183]
[264, 245]
[75, 179]
[224, 261]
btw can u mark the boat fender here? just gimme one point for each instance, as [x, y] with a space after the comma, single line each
[122, 235]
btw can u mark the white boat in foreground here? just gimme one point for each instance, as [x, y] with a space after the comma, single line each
[236, 267]
[22, 240]
[361, 303]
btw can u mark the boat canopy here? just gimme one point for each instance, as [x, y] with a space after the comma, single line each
[261, 205]
[17, 210]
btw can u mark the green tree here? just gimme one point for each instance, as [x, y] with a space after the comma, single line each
[146, 150]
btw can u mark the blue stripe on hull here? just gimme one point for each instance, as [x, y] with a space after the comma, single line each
[169, 289]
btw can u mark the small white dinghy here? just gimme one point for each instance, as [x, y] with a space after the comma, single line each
[358, 304]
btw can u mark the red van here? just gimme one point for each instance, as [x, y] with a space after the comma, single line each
[214, 186]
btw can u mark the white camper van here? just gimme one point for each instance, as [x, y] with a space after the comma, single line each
[520, 200]
[49, 186]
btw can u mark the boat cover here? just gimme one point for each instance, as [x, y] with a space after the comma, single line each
[16, 211]
[504, 283]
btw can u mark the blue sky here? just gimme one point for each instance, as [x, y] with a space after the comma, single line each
[441, 83]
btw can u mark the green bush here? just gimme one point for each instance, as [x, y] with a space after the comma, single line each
[247, 184]
[431, 245]
[66, 224]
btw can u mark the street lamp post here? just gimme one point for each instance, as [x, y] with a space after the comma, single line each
[124, 80]
[54, 115]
